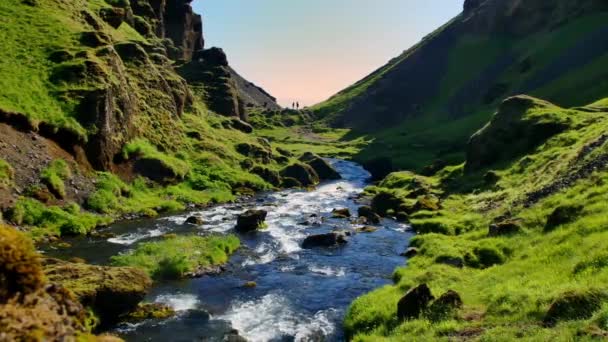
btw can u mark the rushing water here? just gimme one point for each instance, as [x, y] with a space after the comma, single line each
[301, 295]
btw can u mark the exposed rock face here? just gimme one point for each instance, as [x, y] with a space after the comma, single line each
[110, 291]
[303, 173]
[321, 167]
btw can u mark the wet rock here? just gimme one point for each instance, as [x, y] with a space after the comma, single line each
[195, 220]
[366, 229]
[410, 252]
[206, 271]
[110, 291]
[233, 336]
[562, 215]
[369, 214]
[250, 221]
[385, 201]
[303, 173]
[414, 303]
[341, 213]
[574, 306]
[325, 240]
[250, 284]
[504, 228]
[321, 167]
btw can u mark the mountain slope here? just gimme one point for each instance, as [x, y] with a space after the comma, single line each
[423, 105]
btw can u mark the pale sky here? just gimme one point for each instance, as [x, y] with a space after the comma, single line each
[307, 50]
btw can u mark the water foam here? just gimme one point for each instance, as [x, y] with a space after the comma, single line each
[179, 302]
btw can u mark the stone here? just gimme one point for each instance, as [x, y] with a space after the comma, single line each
[379, 167]
[574, 306]
[289, 183]
[504, 228]
[241, 125]
[195, 220]
[366, 229]
[414, 303]
[303, 173]
[446, 304]
[325, 240]
[267, 175]
[146, 311]
[562, 215]
[250, 221]
[368, 213]
[385, 201]
[321, 166]
[114, 16]
[410, 252]
[341, 213]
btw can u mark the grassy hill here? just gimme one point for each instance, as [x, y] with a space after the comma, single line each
[437, 93]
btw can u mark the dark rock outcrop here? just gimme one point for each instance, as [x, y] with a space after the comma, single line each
[341, 213]
[268, 175]
[325, 240]
[504, 228]
[195, 220]
[250, 221]
[562, 215]
[574, 306]
[414, 303]
[369, 214]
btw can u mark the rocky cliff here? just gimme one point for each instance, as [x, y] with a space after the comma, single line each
[440, 91]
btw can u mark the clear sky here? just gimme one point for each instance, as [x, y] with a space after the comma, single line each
[307, 50]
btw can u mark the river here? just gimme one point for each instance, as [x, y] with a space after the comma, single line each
[301, 295]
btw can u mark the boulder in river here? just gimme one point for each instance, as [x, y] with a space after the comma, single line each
[325, 240]
[367, 229]
[251, 220]
[410, 252]
[321, 166]
[369, 214]
[196, 220]
[303, 173]
[341, 213]
[414, 302]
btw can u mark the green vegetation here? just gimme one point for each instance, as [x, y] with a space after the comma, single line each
[54, 220]
[526, 282]
[6, 174]
[54, 176]
[175, 257]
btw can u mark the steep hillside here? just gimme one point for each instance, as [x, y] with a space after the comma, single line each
[116, 107]
[511, 244]
[423, 105]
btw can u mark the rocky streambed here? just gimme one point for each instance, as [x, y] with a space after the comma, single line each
[273, 289]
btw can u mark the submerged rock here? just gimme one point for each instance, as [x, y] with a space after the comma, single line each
[250, 220]
[109, 291]
[325, 240]
[414, 303]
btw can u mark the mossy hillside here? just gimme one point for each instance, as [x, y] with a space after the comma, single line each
[418, 140]
[174, 257]
[511, 284]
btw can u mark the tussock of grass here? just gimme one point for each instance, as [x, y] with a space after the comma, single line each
[174, 257]
[55, 175]
[6, 174]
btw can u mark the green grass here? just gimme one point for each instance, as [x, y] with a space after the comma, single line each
[174, 257]
[140, 147]
[6, 174]
[508, 283]
[55, 175]
[54, 220]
